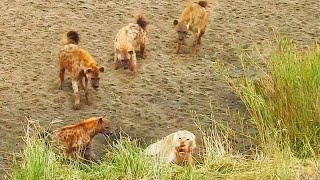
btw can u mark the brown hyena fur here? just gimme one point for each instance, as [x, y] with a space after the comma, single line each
[78, 137]
[193, 18]
[128, 40]
[79, 64]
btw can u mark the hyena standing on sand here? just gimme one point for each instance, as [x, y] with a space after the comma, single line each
[130, 39]
[194, 18]
[80, 64]
[78, 137]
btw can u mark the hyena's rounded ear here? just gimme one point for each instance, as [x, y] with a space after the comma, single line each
[88, 70]
[175, 22]
[130, 52]
[100, 121]
[101, 69]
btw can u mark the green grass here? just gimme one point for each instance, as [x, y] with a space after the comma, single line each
[284, 112]
[284, 104]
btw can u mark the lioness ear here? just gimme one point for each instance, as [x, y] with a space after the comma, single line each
[130, 52]
[101, 69]
[175, 22]
[100, 121]
[117, 51]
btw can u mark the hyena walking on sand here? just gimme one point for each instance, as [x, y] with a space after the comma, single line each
[79, 64]
[128, 40]
[194, 18]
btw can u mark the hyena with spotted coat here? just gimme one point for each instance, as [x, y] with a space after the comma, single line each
[128, 40]
[193, 18]
[79, 64]
[78, 137]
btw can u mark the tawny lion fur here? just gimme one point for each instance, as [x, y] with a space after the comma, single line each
[128, 40]
[78, 137]
[176, 147]
[193, 18]
[79, 64]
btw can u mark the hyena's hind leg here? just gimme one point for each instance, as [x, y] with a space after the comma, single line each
[76, 94]
[89, 155]
[196, 42]
[61, 77]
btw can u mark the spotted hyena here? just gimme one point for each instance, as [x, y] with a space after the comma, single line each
[79, 64]
[78, 137]
[130, 39]
[193, 18]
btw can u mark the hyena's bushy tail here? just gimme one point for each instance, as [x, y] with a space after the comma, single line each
[203, 3]
[141, 21]
[72, 37]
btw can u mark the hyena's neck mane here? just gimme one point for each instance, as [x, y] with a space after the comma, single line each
[86, 59]
[89, 126]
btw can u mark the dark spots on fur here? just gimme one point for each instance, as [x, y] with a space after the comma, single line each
[203, 3]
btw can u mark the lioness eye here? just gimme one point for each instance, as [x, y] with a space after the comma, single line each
[179, 137]
[184, 31]
[178, 31]
[188, 139]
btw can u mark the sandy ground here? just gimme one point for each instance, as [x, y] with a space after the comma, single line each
[168, 87]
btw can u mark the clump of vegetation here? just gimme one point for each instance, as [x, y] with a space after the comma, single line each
[284, 110]
[284, 104]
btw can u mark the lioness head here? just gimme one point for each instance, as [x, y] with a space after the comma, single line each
[184, 143]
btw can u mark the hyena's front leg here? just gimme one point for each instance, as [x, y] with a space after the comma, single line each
[85, 88]
[115, 61]
[76, 94]
[142, 48]
[69, 152]
[133, 64]
[61, 77]
[86, 92]
[178, 46]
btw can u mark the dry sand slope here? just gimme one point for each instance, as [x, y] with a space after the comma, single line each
[168, 86]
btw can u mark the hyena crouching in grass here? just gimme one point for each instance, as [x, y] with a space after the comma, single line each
[128, 40]
[193, 18]
[78, 137]
[79, 64]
